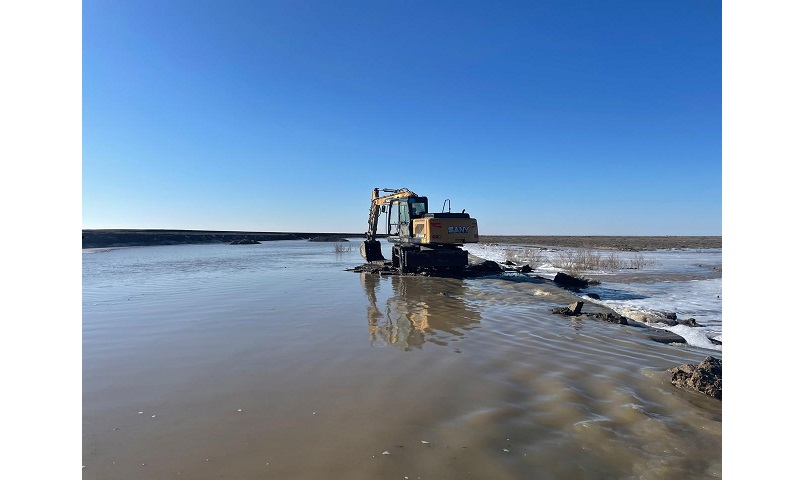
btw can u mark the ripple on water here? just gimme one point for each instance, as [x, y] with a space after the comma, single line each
[528, 391]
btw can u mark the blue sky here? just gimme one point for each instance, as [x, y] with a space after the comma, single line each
[539, 117]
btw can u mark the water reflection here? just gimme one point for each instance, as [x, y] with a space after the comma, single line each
[416, 310]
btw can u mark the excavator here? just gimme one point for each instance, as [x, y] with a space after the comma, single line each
[421, 240]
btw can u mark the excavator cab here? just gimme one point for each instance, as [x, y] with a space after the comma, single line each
[401, 214]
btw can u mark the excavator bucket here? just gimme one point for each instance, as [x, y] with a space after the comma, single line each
[371, 250]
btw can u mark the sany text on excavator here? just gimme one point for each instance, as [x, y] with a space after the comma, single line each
[421, 240]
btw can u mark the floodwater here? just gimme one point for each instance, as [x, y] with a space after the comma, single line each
[272, 361]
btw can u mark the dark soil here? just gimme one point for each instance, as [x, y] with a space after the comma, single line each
[328, 238]
[128, 238]
[133, 238]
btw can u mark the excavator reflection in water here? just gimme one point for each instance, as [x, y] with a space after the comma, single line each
[418, 310]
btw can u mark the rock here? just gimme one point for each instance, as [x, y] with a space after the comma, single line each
[665, 321]
[375, 268]
[689, 323]
[486, 266]
[565, 280]
[526, 269]
[609, 317]
[508, 263]
[705, 378]
[593, 295]
[572, 310]
[663, 336]
[667, 318]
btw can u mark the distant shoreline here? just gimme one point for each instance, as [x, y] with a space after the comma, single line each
[104, 238]
[609, 242]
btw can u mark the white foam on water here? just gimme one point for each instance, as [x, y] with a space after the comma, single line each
[643, 301]
[698, 299]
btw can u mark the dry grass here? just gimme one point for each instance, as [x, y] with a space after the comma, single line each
[342, 247]
[583, 260]
[533, 256]
[638, 261]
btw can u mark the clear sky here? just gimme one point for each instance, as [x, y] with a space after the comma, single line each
[537, 117]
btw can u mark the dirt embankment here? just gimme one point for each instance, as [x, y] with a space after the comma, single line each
[144, 238]
[624, 243]
[129, 238]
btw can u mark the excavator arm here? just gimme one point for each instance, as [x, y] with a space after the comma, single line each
[371, 249]
[377, 201]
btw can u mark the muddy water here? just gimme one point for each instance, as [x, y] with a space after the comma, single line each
[272, 361]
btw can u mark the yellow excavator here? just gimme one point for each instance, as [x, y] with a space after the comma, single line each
[421, 240]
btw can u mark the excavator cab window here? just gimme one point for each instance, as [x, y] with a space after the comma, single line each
[418, 208]
[401, 212]
[404, 219]
[393, 219]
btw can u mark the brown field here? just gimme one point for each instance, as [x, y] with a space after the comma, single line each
[120, 238]
[625, 243]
